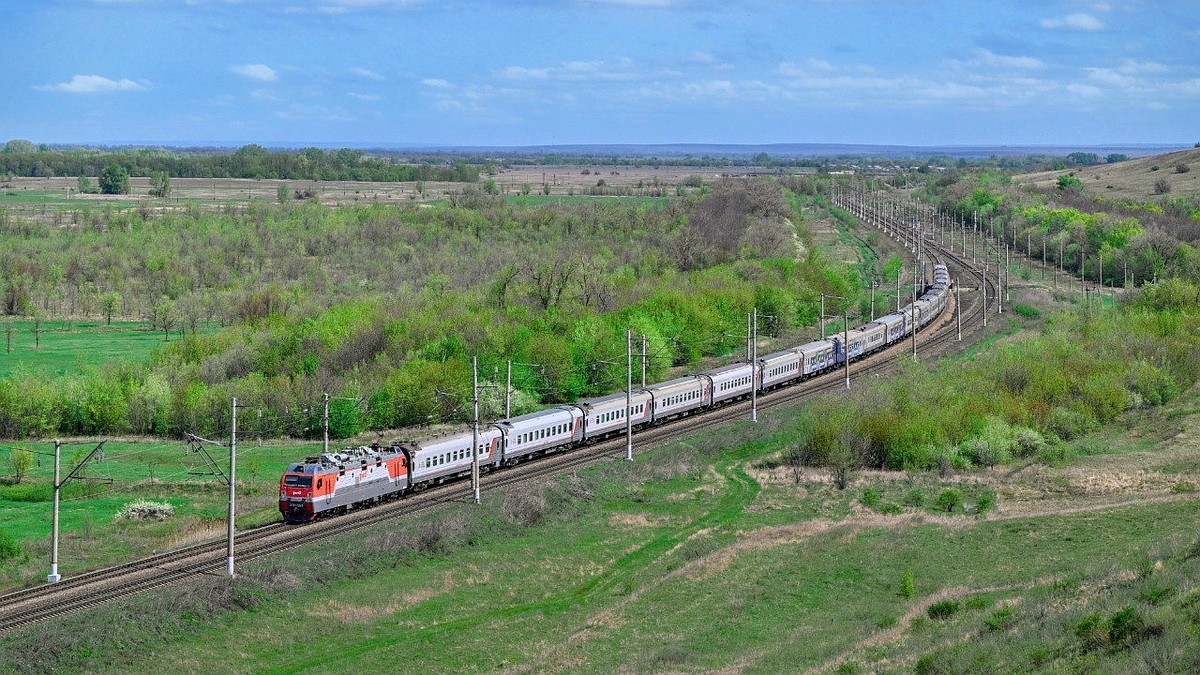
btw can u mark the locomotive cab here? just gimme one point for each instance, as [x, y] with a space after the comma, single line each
[296, 494]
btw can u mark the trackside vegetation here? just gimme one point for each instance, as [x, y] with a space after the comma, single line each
[1021, 399]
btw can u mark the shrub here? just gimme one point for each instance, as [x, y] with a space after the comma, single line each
[1182, 168]
[890, 509]
[1161, 186]
[19, 463]
[948, 500]
[1026, 311]
[144, 509]
[9, 548]
[869, 499]
[985, 503]
[977, 602]
[942, 610]
[1125, 625]
[1069, 424]
[908, 585]
[525, 506]
[1001, 619]
[1066, 182]
[915, 498]
[1028, 442]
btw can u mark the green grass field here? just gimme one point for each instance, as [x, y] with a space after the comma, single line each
[27, 197]
[69, 346]
[161, 471]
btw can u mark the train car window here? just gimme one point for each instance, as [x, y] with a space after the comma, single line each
[320, 483]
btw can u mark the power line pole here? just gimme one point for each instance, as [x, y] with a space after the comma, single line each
[232, 484]
[628, 395]
[958, 308]
[754, 367]
[325, 419]
[999, 283]
[475, 428]
[823, 306]
[984, 287]
[644, 360]
[54, 576]
[846, 338]
[916, 322]
[508, 392]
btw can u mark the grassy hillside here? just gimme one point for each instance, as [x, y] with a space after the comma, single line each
[708, 555]
[1132, 179]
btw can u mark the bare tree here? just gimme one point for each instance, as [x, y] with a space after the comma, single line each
[551, 277]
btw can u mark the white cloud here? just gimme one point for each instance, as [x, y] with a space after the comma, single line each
[93, 84]
[1101, 6]
[263, 95]
[1083, 90]
[1078, 21]
[338, 7]
[436, 83]
[986, 57]
[623, 70]
[367, 74]
[812, 67]
[365, 97]
[256, 71]
[1131, 67]
[639, 3]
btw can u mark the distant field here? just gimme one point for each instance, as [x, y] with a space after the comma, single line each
[69, 346]
[539, 200]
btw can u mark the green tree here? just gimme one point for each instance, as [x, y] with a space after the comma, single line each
[19, 145]
[490, 187]
[86, 186]
[109, 303]
[160, 184]
[282, 193]
[526, 188]
[949, 500]
[545, 188]
[19, 463]
[114, 180]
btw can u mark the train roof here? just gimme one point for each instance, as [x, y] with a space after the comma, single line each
[721, 370]
[619, 396]
[672, 383]
[555, 410]
[813, 346]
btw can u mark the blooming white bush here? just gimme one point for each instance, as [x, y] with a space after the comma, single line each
[144, 509]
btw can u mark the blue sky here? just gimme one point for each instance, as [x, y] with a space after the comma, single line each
[476, 72]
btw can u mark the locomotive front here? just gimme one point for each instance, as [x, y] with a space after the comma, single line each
[296, 493]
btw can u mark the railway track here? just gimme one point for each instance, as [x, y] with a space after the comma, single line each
[28, 606]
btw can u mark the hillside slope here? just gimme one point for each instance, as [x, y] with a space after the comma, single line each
[1131, 179]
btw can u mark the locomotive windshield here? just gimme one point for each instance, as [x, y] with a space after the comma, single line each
[297, 481]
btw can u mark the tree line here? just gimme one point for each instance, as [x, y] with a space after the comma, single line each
[249, 161]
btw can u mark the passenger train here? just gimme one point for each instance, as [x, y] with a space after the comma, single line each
[336, 482]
